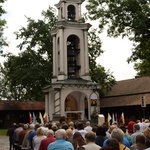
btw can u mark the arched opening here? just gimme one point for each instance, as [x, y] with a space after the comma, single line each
[71, 12]
[94, 104]
[73, 56]
[86, 108]
[58, 47]
[70, 103]
[75, 106]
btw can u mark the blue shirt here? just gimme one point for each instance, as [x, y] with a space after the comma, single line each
[60, 144]
[31, 135]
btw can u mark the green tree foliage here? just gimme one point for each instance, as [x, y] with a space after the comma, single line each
[26, 75]
[98, 72]
[129, 18]
[30, 71]
[2, 26]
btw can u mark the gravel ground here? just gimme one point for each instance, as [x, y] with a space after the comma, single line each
[4, 143]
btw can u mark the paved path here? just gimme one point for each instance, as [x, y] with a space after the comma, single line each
[4, 142]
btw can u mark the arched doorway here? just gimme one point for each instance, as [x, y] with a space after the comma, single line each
[75, 106]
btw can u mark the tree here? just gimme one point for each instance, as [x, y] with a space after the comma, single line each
[30, 71]
[2, 27]
[98, 72]
[129, 18]
[27, 73]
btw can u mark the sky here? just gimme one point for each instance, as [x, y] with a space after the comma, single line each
[116, 50]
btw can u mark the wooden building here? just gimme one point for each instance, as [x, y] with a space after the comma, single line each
[130, 96]
[16, 111]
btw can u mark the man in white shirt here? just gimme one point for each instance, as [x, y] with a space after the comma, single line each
[88, 127]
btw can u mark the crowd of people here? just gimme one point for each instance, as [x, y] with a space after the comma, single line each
[78, 136]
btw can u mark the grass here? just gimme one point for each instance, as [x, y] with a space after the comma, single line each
[3, 131]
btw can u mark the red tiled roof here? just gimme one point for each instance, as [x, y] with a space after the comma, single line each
[17, 105]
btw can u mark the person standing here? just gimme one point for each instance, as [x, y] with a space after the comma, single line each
[140, 143]
[88, 127]
[38, 138]
[60, 142]
[100, 136]
[78, 141]
[22, 134]
[45, 142]
[90, 141]
[119, 135]
[136, 131]
[10, 133]
[32, 134]
[130, 126]
[16, 135]
[80, 128]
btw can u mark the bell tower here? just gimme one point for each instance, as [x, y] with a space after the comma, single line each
[71, 86]
[70, 45]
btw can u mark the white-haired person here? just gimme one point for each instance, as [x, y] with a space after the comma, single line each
[26, 143]
[45, 142]
[60, 142]
[88, 127]
[119, 135]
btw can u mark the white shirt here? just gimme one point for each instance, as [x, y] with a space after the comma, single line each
[88, 128]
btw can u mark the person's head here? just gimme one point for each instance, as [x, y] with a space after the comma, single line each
[64, 126]
[25, 126]
[90, 137]
[112, 144]
[37, 125]
[54, 127]
[136, 127]
[100, 131]
[60, 134]
[71, 123]
[117, 134]
[138, 121]
[80, 126]
[146, 120]
[20, 125]
[146, 132]
[140, 139]
[78, 140]
[31, 126]
[50, 133]
[112, 127]
[94, 128]
[40, 132]
[88, 123]
[123, 128]
[69, 133]
[14, 125]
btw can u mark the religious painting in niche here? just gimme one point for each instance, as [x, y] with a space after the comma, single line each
[93, 102]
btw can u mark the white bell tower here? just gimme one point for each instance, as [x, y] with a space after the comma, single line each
[70, 45]
[71, 86]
